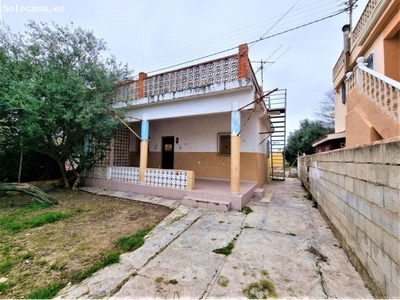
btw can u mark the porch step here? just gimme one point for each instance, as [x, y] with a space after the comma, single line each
[259, 192]
[206, 203]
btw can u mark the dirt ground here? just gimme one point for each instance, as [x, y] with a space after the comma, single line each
[43, 255]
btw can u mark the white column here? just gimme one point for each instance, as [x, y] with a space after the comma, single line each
[144, 145]
[235, 149]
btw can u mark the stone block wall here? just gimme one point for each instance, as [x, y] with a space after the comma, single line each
[358, 191]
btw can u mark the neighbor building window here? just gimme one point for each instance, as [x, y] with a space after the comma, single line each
[370, 61]
[344, 93]
[224, 143]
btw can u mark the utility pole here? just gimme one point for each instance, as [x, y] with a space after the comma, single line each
[351, 5]
[262, 73]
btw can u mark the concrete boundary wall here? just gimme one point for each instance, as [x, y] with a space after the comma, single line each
[358, 191]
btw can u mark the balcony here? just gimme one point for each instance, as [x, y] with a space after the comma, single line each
[338, 69]
[372, 12]
[381, 90]
[220, 74]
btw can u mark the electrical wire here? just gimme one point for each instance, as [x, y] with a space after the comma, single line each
[250, 43]
[237, 33]
[276, 23]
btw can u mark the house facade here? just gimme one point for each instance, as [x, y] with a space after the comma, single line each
[366, 77]
[205, 121]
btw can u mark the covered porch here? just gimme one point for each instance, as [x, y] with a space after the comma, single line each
[198, 192]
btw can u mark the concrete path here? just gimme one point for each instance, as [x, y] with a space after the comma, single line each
[284, 247]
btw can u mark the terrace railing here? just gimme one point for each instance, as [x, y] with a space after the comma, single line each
[216, 71]
[382, 90]
[221, 70]
[174, 179]
[372, 11]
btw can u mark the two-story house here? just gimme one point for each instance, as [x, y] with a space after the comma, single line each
[366, 77]
[191, 130]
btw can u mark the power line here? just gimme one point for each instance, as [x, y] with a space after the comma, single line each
[284, 15]
[297, 27]
[301, 13]
[252, 42]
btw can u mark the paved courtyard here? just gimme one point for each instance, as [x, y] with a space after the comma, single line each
[282, 248]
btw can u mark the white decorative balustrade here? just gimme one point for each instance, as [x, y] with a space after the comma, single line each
[167, 178]
[124, 174]
[372, 11]
[338, 66]
[382, 90]
[125, 92]
[174, 179]
[98, 172]
[221, 70]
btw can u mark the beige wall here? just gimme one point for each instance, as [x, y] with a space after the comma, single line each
[253, 167]
[358, 190]
[392, 57]
[196, 149]
[383, 40]
[340, 112]
[366, 121]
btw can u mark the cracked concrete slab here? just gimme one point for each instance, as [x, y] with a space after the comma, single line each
[284, 244]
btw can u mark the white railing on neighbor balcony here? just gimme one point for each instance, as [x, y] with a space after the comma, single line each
[371, 13]
[175, 179]
[382, 90]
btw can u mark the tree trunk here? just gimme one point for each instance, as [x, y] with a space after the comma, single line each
[63, 173]
[77, 181]
[26, 188]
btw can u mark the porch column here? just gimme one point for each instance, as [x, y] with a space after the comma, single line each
[235, 149]
[144, 144]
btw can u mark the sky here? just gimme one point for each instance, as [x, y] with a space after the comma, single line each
[157, 34]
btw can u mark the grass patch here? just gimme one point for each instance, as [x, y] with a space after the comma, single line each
[225, 250]
[264, 272]
[55, 266]
[159, 279]
[5, 266]
[263, 289]
[223, 281]
[34, 271]
[133, 242]
[15, 223]
[173, 281]
[4, 286]
[47, 292]
[41, 262]
[247, 210]
[79, 209]
[27, 255]
[109, 259]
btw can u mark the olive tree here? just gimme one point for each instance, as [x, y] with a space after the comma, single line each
[52, 93]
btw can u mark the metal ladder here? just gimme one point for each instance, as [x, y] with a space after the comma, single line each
[276, 104]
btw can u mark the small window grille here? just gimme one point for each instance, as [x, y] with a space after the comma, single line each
[370, 61]
[224, 143]
[344, 93]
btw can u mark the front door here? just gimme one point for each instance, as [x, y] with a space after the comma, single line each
[167, 160]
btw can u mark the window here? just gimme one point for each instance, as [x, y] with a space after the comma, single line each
[344, 93]
[370, 61]
[224, 143]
